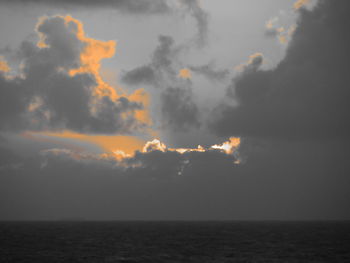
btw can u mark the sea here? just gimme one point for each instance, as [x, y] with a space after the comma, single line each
[135, 241]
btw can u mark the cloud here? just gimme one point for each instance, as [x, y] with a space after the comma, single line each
[141, 75]
[167, 184]
[305, 96]
[134, 7]
[155, 159]
[4, 67]
[283, 34]
[128, 6]
[254, 62]
[179, 112]
[300, 3]
[209, 71]
[201, 17]
[60, 87]
[160, 68]
[106, 143]
[178, 109]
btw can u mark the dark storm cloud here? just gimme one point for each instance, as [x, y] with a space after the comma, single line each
[129, 6]
[210, 72]
[306, 95]
[154, 163]
[302, 180]
[46, 96]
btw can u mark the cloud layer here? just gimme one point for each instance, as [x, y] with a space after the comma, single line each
[128, 6]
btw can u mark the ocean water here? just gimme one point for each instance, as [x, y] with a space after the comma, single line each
[51, 242]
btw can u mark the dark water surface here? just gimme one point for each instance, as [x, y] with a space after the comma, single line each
[51, 242]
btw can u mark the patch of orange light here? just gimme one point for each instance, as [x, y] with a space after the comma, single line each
[269, 24]
[36, 103]
[254, 56]
[108, 143]
[185, 73]
[282, 39]
[250, 61]
[280, 29]
[142, 115]
[299, 3]
[4, 67]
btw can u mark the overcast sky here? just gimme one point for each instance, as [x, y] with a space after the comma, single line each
[174, 110]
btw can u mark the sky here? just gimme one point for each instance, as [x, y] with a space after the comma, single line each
[174, 110]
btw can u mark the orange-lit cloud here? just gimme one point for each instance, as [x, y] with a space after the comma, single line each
[108, 143]
[270, 24]
[185, 73]
[4, 67]
[42, 37]
[93, 52]
[282, 39]
[229, 146]
[282, 33]
[142, 115]
[254, 60]
[285, 35]
[299, 3]
[91, 56]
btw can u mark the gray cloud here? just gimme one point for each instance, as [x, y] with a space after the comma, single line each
[210, 72]
[306, 95]
[136, 7]
[160, 68]
[141, 75]
[129, 6]
[201, 17]
[271, 32]
[46, 96]
[178, 109]
[179, 112]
